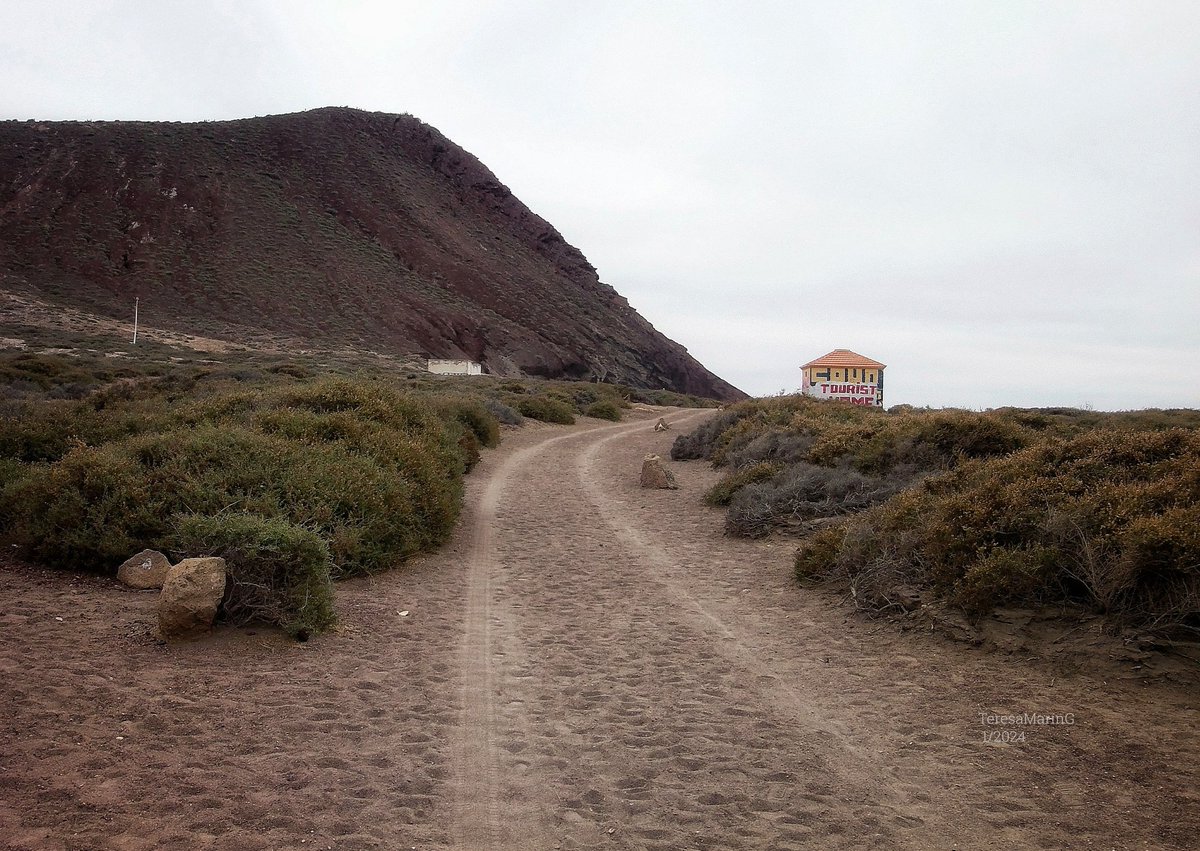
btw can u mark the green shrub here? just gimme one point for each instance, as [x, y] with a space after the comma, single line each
[736, 427]
[468, 445]
[87, 511]
[474, 415]
[44, 371]
[367, 400]
[279, 573]
[580, 396]
[12, 474]
[664, 397]
[779, 446]
[546, 409]
[702, 441]
[802, 493]
[1005, 575]
[819, 551]
[971, 435]
[556, 393]
[723, 491]
[11, 470]
[376, 499]
[503, 413]
[892, 450]
[37, 431]
[797, 428]
[293, 370]
[1110, 518]
[605, 409]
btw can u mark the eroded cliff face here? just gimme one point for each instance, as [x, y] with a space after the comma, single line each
[336, 226]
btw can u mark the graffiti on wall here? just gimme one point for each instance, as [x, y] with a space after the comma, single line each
[858, 394]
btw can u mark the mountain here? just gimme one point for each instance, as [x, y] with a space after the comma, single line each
[334, 226]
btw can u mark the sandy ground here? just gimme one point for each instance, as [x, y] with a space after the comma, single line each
[587, 665]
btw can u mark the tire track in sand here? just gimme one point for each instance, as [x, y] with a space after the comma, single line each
[858, 765]
[730, 641]
[489, 814]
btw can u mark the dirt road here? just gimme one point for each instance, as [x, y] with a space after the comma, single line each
[587, 665]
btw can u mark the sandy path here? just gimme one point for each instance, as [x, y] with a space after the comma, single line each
[587, 665]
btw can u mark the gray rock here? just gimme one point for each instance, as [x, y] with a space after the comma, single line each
[190, 596]
[147, 569]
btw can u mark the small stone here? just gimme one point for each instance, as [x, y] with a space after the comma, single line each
[190, 597]
[148, 569]
[655, 475]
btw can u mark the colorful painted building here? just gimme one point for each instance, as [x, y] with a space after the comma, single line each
[846, 375]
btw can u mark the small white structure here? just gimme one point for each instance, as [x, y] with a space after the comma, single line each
[455, 367]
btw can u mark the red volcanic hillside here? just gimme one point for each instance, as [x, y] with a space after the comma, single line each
[335, 226]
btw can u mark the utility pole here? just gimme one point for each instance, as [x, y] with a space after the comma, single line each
[135, 319]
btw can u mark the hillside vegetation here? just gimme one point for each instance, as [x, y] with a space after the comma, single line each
[981, 509]
[297, 470]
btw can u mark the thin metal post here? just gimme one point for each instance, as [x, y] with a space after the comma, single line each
[135, 320]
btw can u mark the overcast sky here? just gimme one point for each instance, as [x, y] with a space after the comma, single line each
[1000, 200]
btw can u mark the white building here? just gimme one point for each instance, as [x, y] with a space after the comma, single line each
[455, 367]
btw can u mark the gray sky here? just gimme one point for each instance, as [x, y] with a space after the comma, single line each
[998, 199]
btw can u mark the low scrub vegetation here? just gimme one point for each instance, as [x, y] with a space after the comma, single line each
[1110, 519]
[296, 483]
[297, 470]
[278, 571]
[605, 409]
[802, 496]
[503, 413]
[981, 509]
[548, 409]
[723, 491]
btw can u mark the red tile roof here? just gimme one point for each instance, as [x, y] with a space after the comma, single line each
[844, 358]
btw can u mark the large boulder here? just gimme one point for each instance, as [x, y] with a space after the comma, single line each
[655, 475]
[190, 596]
[147, 569]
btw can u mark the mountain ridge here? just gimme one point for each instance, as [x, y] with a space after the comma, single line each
[332, 225]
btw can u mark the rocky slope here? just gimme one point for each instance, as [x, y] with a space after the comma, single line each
[334, 226]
